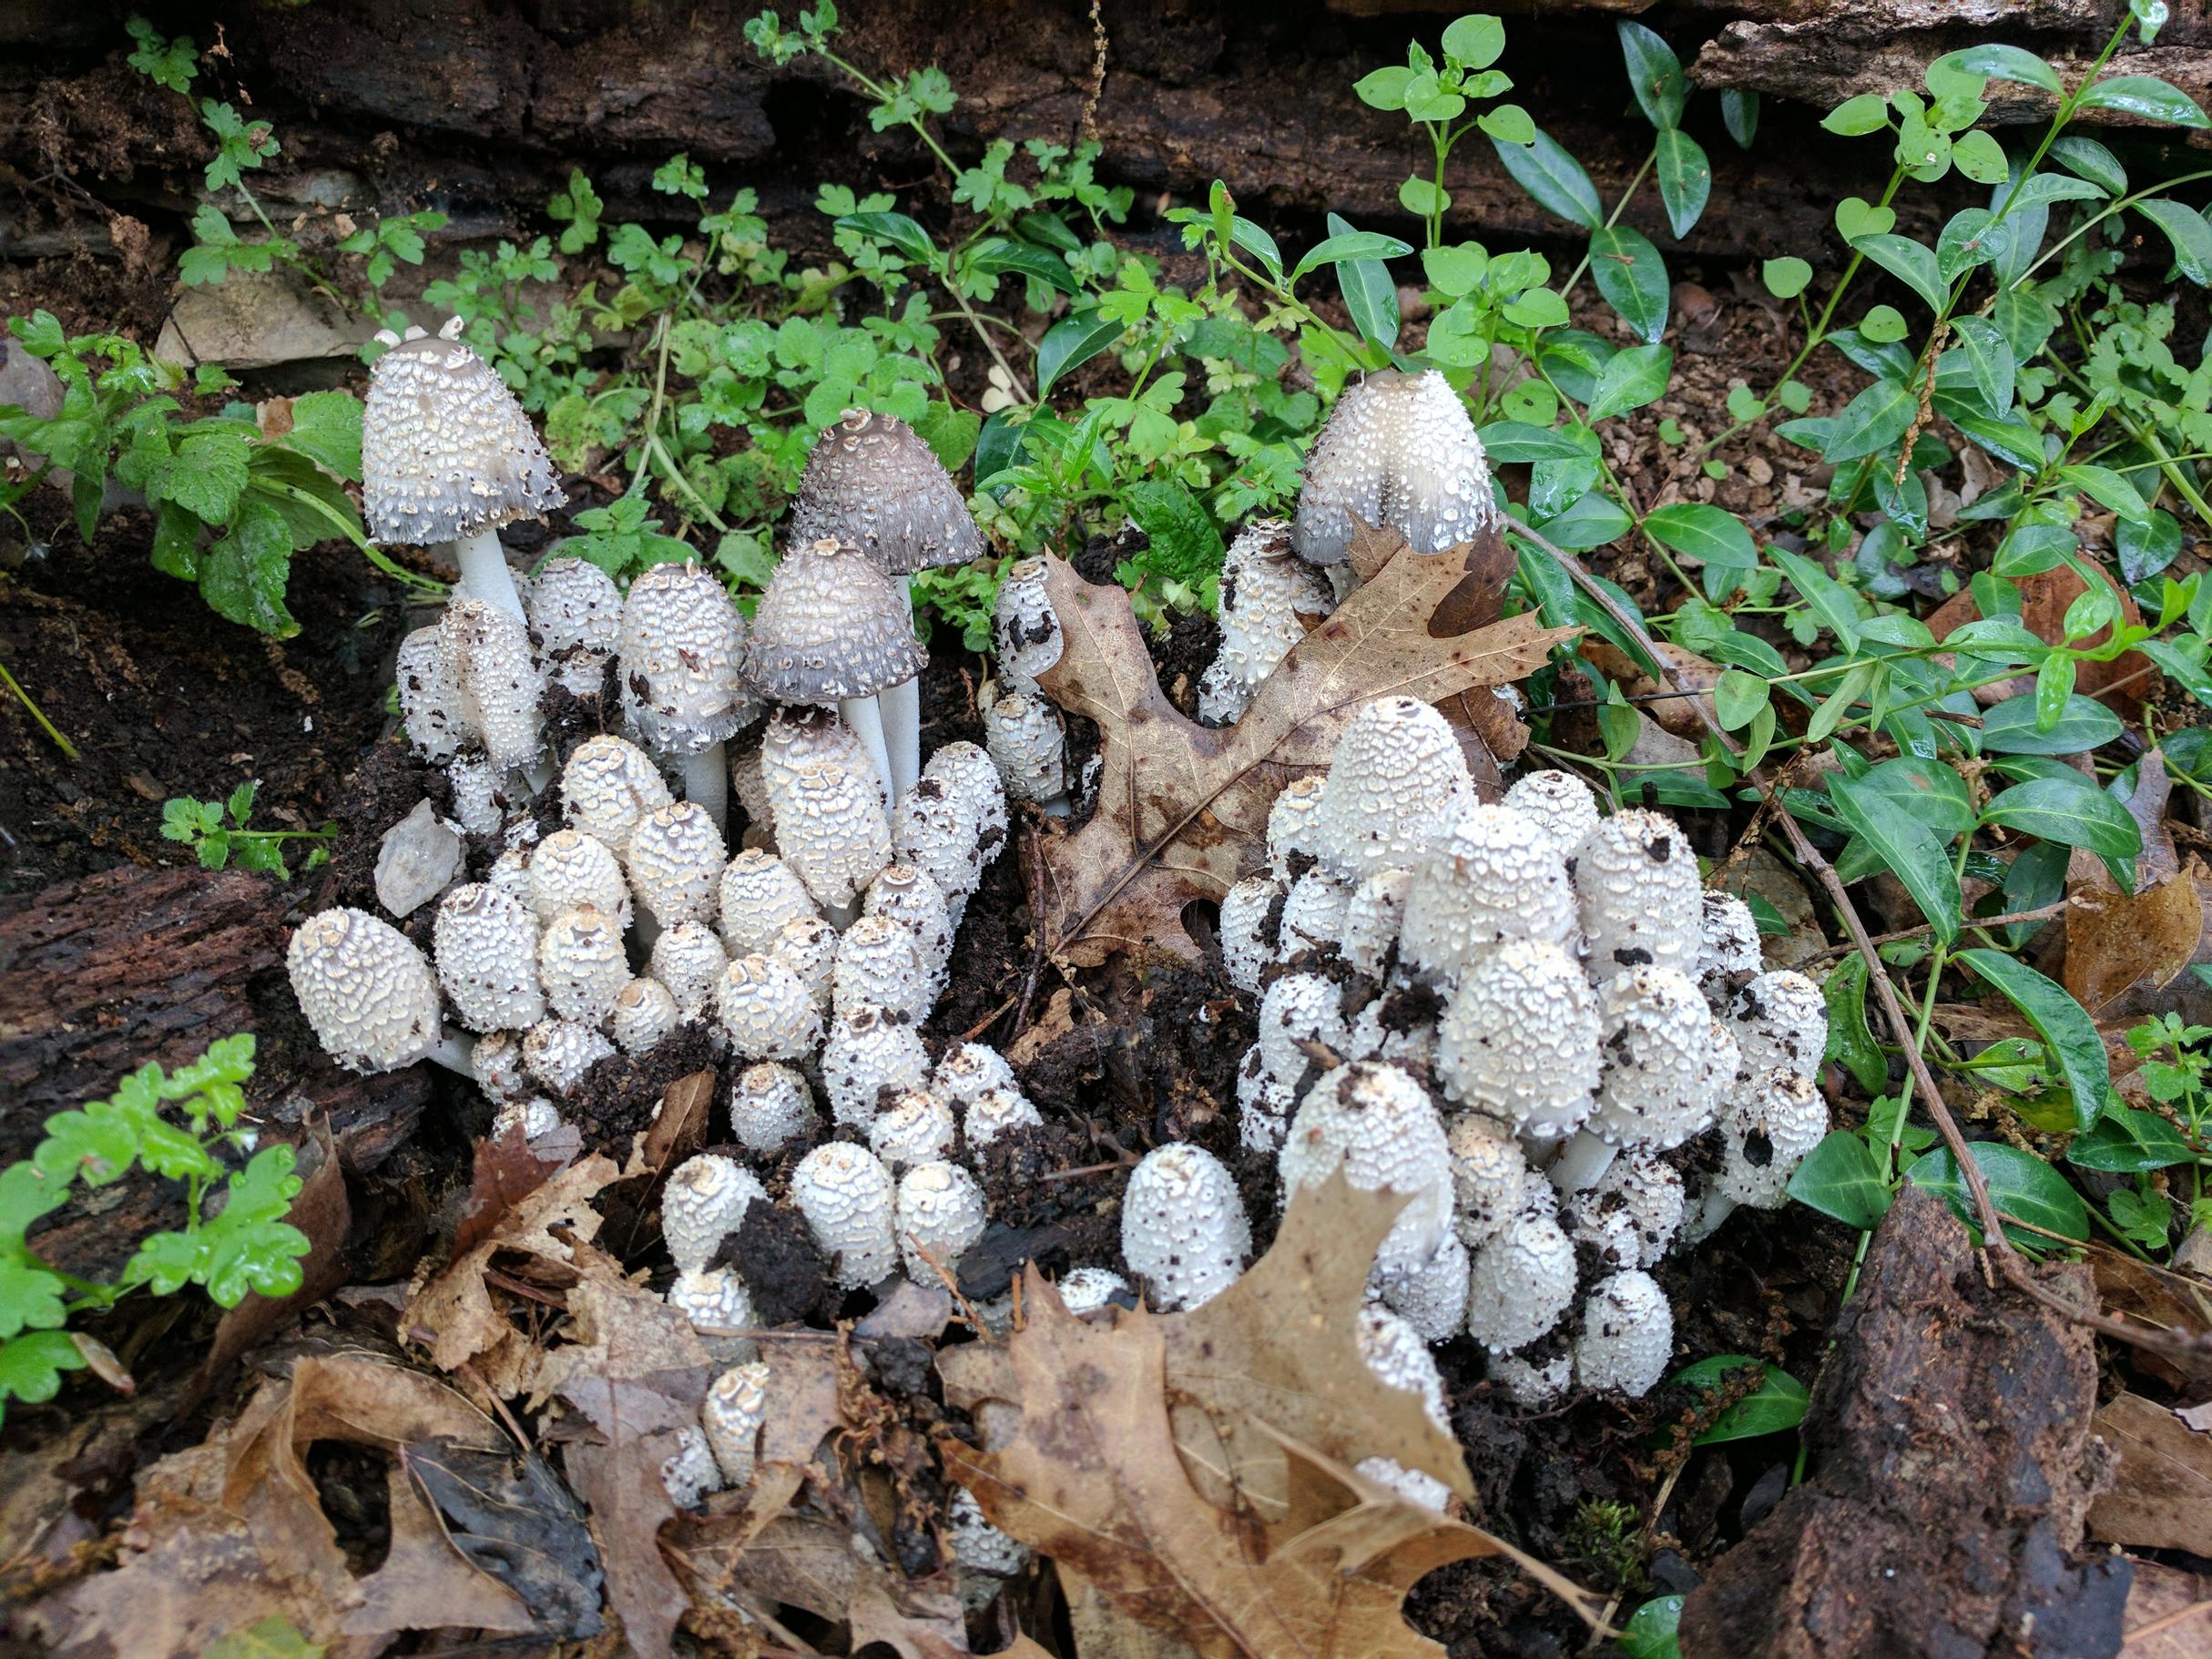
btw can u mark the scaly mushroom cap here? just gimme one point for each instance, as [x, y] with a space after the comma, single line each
[1531, 1380]
[873, 481]
[1628, 1335]
[1518, 1041]
[970, 772]
[807, 945]
[849, 1203]
[1028, 746]
[645, 1012]
[1247, 938]
[704, 1203]
[430, 696]
[913, 1128]
[733, 1413]
[760, 892]
[1374, 917]
[1267, 594]
[1264, 1104]
[1380, 1128]
[936, 829]
[1560, 801]
[532, 1119]
[676, 856]
[1496, 874]
[1632, 1214]
[570, 870]
[1291, 847]
[797, 736]
[996, 1111]
[689, 1474]
[1312, 915]
[609, 784]
[1085, 1291]
[940, 1218]
[1387, 1030]
[1641, 898]
[976, 1544]
[1397, 784]
[1781, 1020]
[865, 1054]
[715, 1301]
[1489, 1176]
[557, 1052]
[1183, 1225]
[488, 655]
[830, 625]
[1728, 940]
[1299, 1008]
[749, 782]
[510, 873]
[770, 1107]
[497, 1062]
[1399, 450]
[573, 603]
[581, 962]
[878, 967]
[480, 803]
[1025, 628]
[970, 1070]
[766, 1010]
[908, 894]
[682, 645]
[486, 947]
[1347, 471]
[365, 989]
[689, 960]
[446, 450]
[1520, 1281]
[833, 830]
[1767, 1130]
[1431, 1296]
[1658, 1088]
[1395, 1352]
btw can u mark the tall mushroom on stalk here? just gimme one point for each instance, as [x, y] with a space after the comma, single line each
[681, 642]
[832, 629]
[447, 456]
[872, 482]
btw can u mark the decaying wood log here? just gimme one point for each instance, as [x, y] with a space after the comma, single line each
[1952, 1465]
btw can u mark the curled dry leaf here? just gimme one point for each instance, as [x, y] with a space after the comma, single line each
[1182, 808]
[2162, 1499]
[2119, 942]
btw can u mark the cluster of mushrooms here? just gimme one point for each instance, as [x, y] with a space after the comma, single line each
[1530, 1019]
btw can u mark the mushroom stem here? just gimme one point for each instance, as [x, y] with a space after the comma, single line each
[485, 573]
[1704, 1217]
[841, 916]
[456, 1051]
[865, 716]
[1583, 1162]
[904, 702]
[706, 778]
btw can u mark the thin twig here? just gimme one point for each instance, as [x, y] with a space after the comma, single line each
[1999, 1247]
[2180, 1616]
[2043, 913]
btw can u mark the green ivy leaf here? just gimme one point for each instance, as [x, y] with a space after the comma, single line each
[2123, 1141]
[1686, 178]
[2020, 1186]
[1775, 1407]
[1910, 262]
[2013, 727]
[2001, 62]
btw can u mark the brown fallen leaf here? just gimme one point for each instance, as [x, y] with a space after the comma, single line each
[1182, 809]
[822, 1565]
[2162, 1497]
[2169, 1612]
[679, 1127]
[2125, 682]
[506, 1171]
[2162, 1297]
[1691, 672]
[2118, 941]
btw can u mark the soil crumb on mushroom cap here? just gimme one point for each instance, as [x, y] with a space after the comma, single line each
[369, 995]
[1182, 1227]
[446, 451]
[849, 1202]
[572, 602]
[1641, 899]
[682, 644]
[873, 482]
[830, 626]
[1026, 630]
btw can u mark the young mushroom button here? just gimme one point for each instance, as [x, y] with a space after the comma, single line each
[1560, 801]
[1182, 1227]
[1518, 1041]
[581, 961]
[682, 645]
[1400, 451]
[486, 949]
[704, 1203]
[1641, 898]
[570, 870]
[1496, 874]
[850, 1204]
[676, 862]
[734, 1413]
[834, 834]
[770, 1107]
[369, 994]
[1397, 784]
[487, 653]
[766, 1010]
[759, 894]
[430, 696]
[608, 785]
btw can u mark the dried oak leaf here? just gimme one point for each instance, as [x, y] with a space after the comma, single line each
[1182, 808]
[825, 1567]
[2118, 942]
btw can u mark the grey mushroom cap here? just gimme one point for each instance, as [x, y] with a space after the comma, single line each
[873, 482]
[447, 451]
[830, 625]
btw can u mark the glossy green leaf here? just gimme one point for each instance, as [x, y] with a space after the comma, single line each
[2069, 1034]
[2020, 1186]
[2127, 1142]
[2011, 728]
[1907, 849]
[2146, 96]
[2002, 63]
[1655, 74]
[1686, 178]
[1633, 378]
[1070, 344]
[1554, 178]
[2071, 810]
[896, 229]
[1740, 114]
[2186, 227]
[1871, 422]
[1840, 1179]
[1697, 531]
[1632, 277]
[1869, 112]
[1786, 278]
[1990, 359]
[1910, 262]
[1775, 1407]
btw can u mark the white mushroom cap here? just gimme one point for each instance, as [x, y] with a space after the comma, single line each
[1397, 784]
[832, 830]
[1658, 1088]
[1291, 827]
[486, 946]
[760, 892]
[1085, 1291]
[510, 873]
[996, 1111]
[1495, 875]
[849, 1201]
[913, 1128]
[1266, 593]
[1264, 1104]
[749, 780]
[1299, 1008]
[1520, 1281]
[1489, 1176]
[1518, 1041]
[1382, 1031]
[971, 774]
[557, 1052]
[689, 1474]
[676, 860]
[1025, 629]
[1247, 944]
[1398, 1353]
[430, 696]
[609, 784]
[1374, 916]
[1182, 1227]
[1534, 1385]
[770, 1107]
[715, 1301]
[1312, 915]
[580, 671]
[1431, 1296]
[680, 642]
[704, 1203]
[830, 626]
[935, 828]
[941, 1212]
[1641, 898]
[1632, 1214]
[766, 1010]
[446, 450]
[573, 603]
[643, 1013]
[365, 989]
[878, 967]
[1767, 1130]
[1560, 801]
[1223, 696]
[1026, 743]
[1410, 1485]
[479, 793]
[572, 871]
[873, 480]
[582, 965]
[734, 1411]
[1399, 450]
[689, 960]
[1380, 1126]
[1728, 938]
[1781, 1020]
[1347, 471]
[534, 1118]
[1628, 1335]
[864, 1055]
[969, 1069]
[910, 894]
[497, 1062]
[487, 653]
[976, 1544]
[797, 735]
[808, 946]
